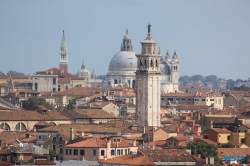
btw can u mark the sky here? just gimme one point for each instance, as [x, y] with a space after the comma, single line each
[210, 37]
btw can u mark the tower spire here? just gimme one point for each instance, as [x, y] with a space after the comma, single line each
[63, 62]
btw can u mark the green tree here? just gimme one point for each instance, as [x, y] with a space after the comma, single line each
[230, 83]
[197, 77]
[205, 150]
[2, 74]
[14, 73]
[184, 79]
[227, 145]
[33, 102]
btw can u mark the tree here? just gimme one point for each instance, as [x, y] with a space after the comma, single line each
[227, 145]
[14, 73]
[205, 150]
[211, 78]
[33, 102]
[197, 77]
[184, 79]
[2, 74]
[230, 83]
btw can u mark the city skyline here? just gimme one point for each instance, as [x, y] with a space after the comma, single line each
[210, 37]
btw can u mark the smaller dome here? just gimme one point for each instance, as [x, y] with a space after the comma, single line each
[175, 57]
[83, 72]
[126, 37]
[167, 57]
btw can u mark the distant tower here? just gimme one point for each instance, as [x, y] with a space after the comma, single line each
[63, 62]
[175, 72]
[148, 77]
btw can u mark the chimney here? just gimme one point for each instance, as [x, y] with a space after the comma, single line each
[71, 134]
[144, 130]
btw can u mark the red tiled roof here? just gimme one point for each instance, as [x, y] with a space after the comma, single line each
[233, 152]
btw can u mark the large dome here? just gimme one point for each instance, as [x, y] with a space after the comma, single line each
[123, 60]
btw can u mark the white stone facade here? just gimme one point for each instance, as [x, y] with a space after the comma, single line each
[148, 77]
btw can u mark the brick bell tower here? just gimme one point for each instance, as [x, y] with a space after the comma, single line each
[148, 88]
[63, 62]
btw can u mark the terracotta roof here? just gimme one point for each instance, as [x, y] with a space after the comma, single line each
[91, 114]
[220, 131]
[206, 141]
[44, 162]
[233, 152]
[129, 159]
[247, 125]
[191, 107]
[34, 115]
[10, 137]
[82, 91]
[178, 95]
[98, 142]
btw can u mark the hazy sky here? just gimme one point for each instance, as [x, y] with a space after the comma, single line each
[210, 37]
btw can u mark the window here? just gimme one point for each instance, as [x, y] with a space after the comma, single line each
[66, 87]
[205, 136]
[61, 150]
[118, 140]
[238, 131]
[102, 152]
[54, 146]
[145, 63]
[54, 80]
[162, 98]
[211, 99]
[94, 152]
[170, 99]
[174, 143]
[177, 98]
[60, 138]
[126, 151]
[59, 88]
[70, 151]
[245, 131]
[203, 100]
[116, 81]
[112, 152]
[82, 152]
[54, 89]
[75, 151]
[67, 152]
[156, 63]
[219, 135]
[54, 138]
[122, 152]
[39, 137]
[196, 99]
[151, 63]
[36, 86]
[169, 143]
[228, 137]
[118, 152]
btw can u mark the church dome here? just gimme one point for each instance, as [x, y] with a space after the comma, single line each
[123, 60]
[83, 72]
[164, 67]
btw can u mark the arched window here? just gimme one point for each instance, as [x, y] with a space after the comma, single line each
[66, 87]
[5, 126]
[20, 127]
[116, 81]
[176, 67]
[140, 63]
[151, 63]
[59, 88]
[156, 63]
[145, 63]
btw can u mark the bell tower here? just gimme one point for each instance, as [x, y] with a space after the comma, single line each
[63, 62]
[148, 76]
